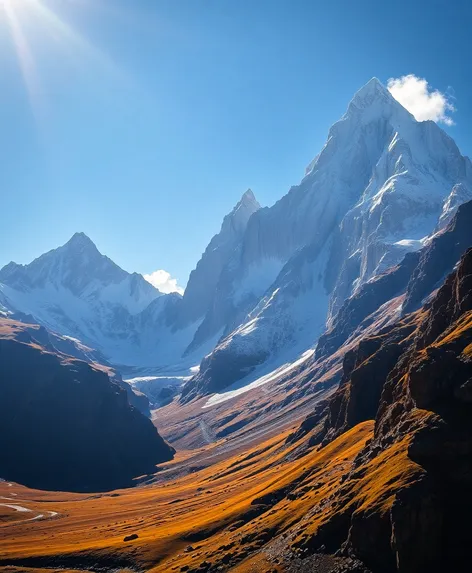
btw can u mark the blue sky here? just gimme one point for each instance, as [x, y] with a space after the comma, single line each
[141, 122]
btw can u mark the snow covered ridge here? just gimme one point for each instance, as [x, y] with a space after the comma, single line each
[380, 187]
[76, 291]
[79, 269]
[273, 278]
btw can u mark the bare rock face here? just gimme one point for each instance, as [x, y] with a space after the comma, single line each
[415, 277]
[64, 425]
[404, 505]
[439, 257]
[365, 371]
[370, 297]
[203, 281]
[221, 370]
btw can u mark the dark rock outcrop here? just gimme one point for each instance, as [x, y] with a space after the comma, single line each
[370, 297]
[64, 425]
[417, 276]
[404, 506]
[33, 333]
[217, 371]
[439, 257]
[366, 369]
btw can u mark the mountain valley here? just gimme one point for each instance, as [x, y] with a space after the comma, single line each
[303, 407]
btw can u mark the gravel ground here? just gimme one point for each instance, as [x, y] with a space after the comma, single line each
[284, 559]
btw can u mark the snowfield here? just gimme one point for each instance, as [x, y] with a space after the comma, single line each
[244, 385]
[273, 278]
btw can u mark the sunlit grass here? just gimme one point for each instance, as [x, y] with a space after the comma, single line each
[212, 509]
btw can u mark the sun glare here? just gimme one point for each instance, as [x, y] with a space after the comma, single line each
[66, 44]
[12, 10]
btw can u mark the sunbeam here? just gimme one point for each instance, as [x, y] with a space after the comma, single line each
[68, 47]
[25, 57]
[70, 41]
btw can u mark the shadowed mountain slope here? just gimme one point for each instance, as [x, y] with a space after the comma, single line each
[415, 277]
[64, 424]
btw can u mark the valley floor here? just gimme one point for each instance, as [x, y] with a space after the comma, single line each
[249, 510]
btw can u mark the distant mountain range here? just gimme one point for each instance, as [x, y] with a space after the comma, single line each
[273, 279]
[76, 291]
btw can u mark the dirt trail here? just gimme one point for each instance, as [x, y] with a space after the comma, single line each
[20, 509]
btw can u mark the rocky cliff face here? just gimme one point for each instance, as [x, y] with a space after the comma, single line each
[204, 279]
[404, 505]
[412, 280]
[380, 187]
[64, 424]
[439, 257]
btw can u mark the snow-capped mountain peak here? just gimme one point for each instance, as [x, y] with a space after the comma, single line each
[375, 191]
[74, 266]
[372, 92]
[201, 288]
[235, 222]
[80, 240]
[76, 291]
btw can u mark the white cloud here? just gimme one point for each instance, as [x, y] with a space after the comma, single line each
[164, 282]
[421, 100]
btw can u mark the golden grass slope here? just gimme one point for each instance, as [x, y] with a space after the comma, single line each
[223, 514]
